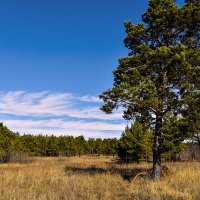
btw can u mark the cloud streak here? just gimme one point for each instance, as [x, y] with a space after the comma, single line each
[52, 104]
[61, 126]
[59, 114]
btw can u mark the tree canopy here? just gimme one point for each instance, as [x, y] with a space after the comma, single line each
[135, 143]
[161, 73]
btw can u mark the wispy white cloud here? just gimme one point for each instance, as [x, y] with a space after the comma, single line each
[52, 104]
[75, 133]
[61, 126]
[58, 113]
[91, 99]
[65, 124]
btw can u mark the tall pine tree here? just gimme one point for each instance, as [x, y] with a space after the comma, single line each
[161, 73]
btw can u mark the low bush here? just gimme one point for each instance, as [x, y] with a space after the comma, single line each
[15, 157]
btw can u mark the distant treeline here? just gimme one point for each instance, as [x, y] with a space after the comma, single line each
[135, 144]
[40, 145]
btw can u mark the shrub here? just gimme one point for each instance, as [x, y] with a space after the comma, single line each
[15, 157]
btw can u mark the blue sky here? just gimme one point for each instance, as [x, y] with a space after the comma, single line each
[56, 56]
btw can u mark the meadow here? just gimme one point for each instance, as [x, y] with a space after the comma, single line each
[95, 178]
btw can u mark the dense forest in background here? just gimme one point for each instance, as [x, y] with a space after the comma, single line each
[43, 145]
[135, 145]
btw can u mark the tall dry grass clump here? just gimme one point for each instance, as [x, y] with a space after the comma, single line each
[91, 178]
[182, 184]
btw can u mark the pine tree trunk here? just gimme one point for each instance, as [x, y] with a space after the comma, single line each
[157, 149]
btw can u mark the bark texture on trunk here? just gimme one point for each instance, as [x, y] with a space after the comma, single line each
[157, 169]
[156, 174]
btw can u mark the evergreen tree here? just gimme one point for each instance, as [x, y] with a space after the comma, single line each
[99, 146]
[161, 73]
[42, 144]
[52, 147]
[80, 145]
[110, 146]
[91, 145]
[174, 134]
[6, 138]
[135, 143]
[29, 144]
[191, 117]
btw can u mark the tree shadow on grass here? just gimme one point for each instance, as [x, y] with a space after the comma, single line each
[126, 173]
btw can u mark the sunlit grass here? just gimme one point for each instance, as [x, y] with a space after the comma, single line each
[46, 178]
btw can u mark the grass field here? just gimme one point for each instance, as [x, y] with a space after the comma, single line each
[92, 178]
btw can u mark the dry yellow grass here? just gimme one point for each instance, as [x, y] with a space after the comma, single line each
[46, 178]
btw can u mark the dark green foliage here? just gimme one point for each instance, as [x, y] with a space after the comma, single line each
[8, 139]
[11, 147]
[12, 144]
[161, 73]
[135, 143]
[102, 147]
[99, 146]
[80, 145]
[174, 134]
[29, 144]
[110, 146]
[191, 117]
[91, 146]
